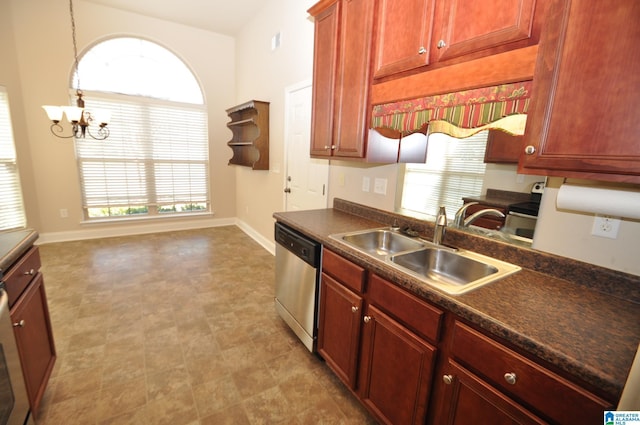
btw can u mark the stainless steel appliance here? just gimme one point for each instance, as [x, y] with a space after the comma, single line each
[522, 216]
[14, 405]
[297, 277]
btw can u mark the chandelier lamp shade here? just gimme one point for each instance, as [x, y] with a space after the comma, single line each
[80, 119]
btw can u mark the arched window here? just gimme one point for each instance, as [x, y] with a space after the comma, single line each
[156, 159]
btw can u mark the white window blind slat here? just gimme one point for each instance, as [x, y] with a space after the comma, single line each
[454, 169]
[12, 215]
[156, 155]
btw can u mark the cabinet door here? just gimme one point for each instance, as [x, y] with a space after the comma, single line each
[34, 338]
[503, 148]
[468, 400]
[324, 72]
[339, 328]
[471, 26]
[404, 35]
[353, 78]
[582, 122]
[395, 371]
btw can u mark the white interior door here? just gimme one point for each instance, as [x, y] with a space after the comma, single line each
[306, 179]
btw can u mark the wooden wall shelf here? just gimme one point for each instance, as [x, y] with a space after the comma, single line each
[250, 127]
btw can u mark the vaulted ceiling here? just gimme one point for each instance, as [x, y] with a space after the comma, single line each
[221, 16]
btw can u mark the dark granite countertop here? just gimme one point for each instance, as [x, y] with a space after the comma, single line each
[13, 244]
[548, 309]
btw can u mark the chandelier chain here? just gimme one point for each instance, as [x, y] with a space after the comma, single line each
[75, 46]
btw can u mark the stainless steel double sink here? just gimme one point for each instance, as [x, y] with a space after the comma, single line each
[454, 271]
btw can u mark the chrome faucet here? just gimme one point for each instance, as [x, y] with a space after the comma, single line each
[460, 221]
[476, 215]
[441, 226]
[459, 218]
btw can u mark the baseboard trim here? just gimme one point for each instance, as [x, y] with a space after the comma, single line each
[138, 229]
[267, 244]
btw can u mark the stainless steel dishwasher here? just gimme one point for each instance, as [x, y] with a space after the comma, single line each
[297, 277]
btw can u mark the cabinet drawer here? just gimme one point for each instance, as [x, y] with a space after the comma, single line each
[344, 270]
[414, 313]
[553, 396]
[21, 273]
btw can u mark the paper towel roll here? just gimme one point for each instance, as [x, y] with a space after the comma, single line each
[612, 202]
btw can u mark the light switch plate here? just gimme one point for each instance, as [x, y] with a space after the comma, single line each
[366, 184]
[380, 186]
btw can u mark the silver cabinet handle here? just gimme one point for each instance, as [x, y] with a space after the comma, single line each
[19, 324]
[354, 309]
[447, 379]
[530, 150]
[30, 272]
[327, 147]
[422, 50]
[287, 190]
[441, 44]
[366, 319]
[333, 147]
[511, 378]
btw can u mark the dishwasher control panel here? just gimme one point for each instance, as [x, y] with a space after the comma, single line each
[300, 245]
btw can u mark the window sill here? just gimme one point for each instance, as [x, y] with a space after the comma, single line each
[129, 219]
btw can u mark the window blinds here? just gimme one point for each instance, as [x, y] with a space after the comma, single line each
[156, 155]
[12, 214]
[454, 169]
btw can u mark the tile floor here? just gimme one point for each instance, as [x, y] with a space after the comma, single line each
[178, 328]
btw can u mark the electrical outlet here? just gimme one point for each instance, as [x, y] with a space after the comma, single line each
[605, 226]
[366, 184]
[380, 186]
[64, 213]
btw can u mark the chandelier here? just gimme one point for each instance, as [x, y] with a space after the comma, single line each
[80, 119]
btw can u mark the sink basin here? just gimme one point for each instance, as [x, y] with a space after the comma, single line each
[454, 272]
[380, 242]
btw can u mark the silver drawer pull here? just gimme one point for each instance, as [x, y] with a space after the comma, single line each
[19, 324]
[354, 309]
[447, 379]
[30, 272]
[366, 319]
[511, 378]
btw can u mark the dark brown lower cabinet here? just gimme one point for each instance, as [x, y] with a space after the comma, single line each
[411, 362]
[34, 338]
[339, 328]
[468, 400]
[396, 369]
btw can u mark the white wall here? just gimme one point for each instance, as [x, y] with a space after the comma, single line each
[44, 60]
[263, 74]
[347, 180]
[568, 233]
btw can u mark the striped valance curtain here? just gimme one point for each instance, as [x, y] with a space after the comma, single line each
[475, 109]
